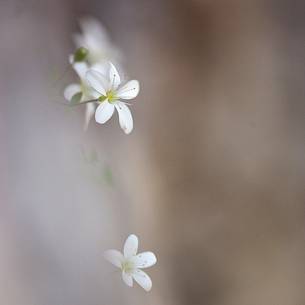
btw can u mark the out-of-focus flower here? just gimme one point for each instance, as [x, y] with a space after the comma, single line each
[108, 87]
[130, 263]
[94, 37]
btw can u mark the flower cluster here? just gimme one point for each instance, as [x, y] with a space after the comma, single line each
[102, 89]
[100, 86]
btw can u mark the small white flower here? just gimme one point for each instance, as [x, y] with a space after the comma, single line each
[95, 38]
[80, 92]
[109, 92]
[130, 263]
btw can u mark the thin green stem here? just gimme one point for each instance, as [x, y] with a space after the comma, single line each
[85, 102]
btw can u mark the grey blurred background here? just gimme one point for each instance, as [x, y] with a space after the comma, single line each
[212, 179]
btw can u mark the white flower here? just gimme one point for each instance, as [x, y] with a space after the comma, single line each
[107, 86]
[130, 263]
[80, 92]
[94, 37]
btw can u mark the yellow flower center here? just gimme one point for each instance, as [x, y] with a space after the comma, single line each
[127, 266]
[110, 96]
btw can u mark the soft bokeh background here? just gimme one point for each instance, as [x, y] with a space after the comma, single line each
[212, 179]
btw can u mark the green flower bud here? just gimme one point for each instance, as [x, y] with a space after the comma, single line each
[80, 54]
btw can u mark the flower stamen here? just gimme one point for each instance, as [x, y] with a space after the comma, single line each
[128, 266]
[111, 96]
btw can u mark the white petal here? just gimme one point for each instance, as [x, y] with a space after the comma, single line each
[104, 112]
[102, 68]
[144, 260]
[114, 76]
[92, 27]
[97, 81]
[110, 72]
[127, 278]
[142, 279]
[90, 109]
[71, 90]
[91, 93]
[115, 257]
[80, 68]
[125, 117]
[129, 91]
[131, 246]
[71, 58]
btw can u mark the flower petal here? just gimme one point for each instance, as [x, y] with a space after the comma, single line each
[80, 68]
[92, 27]
[91, 93]
[71, 59]
[129, 91]
[97, 81]
[115, 257]
[104, 112]
[142, 279]
[127, 278]
[144, 260]
[114, 76]
[131, 246]
[90, 109]
[103, 68]
[125, 117]
[71, 90]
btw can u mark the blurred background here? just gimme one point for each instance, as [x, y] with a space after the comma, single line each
[212, 179]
